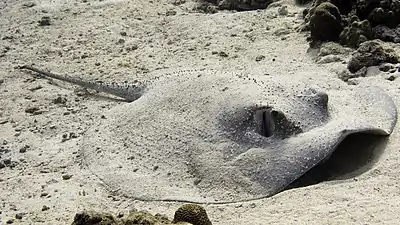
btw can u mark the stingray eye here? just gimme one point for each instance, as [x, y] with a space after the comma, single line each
[265, 122]
[270, 122]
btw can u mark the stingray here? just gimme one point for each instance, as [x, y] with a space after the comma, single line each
[217, 137]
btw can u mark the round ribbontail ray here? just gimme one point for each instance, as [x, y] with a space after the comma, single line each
[218, 137]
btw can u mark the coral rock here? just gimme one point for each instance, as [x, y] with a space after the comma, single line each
[325, 23]
[385, 33]
[145, 218]
[192, 213]
[371, 53]
[386, 12]
[93, 218]
[356, 33]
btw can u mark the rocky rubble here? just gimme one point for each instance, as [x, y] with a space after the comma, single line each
[187, 214]
[356, 24]
[241, 5]
[361, 20]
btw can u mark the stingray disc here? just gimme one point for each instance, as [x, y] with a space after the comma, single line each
[207, 136]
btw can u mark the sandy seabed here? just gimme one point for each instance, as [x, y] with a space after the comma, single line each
[125, 40]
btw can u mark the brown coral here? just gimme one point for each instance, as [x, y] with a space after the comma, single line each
[192, 213]
[93, 218]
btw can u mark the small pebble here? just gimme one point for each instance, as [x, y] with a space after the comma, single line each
[123, 33]
[283, 11]
[222, 54]
[385, 67]
[72, 135]
[23, 149]
[391, 78]
[197, 181]
[44, 21]
[66, 177]
[29, 4]
[36, 88]
[44, 208]
[239, 206]
[19, 216]
[60, 100]
[3, 121]
[64, 137]
[33, 110]
[10, 221]
[259, 58]
[170, 12]
[361, 72]
[132, 47]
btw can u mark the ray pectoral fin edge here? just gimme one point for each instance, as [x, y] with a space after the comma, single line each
[382, 107]
[276, 171]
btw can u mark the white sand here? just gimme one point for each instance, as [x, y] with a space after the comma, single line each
[84, 34]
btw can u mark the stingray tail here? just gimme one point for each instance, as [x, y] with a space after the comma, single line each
[127, 92]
